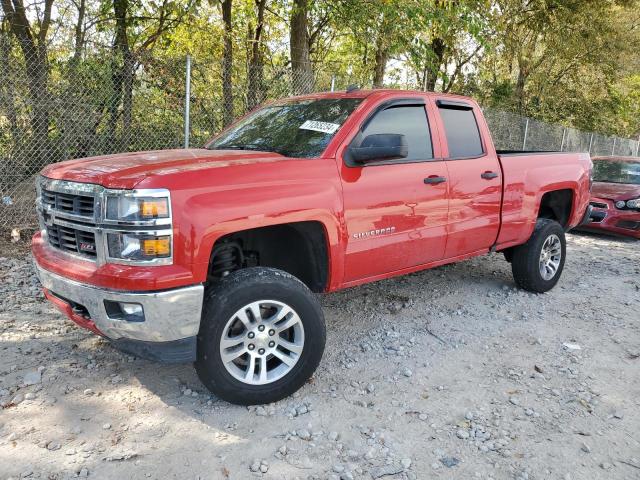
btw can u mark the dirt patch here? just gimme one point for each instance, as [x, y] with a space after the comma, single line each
[447, 373]
[15, 249]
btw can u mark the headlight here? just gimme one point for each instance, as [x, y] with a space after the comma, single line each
[620, 204]
[138, 246]
[635, 203]
[130, 208]
[138, 208]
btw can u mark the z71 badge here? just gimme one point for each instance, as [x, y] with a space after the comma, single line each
[87, 247]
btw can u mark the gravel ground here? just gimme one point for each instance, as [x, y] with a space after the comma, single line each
[447, 373]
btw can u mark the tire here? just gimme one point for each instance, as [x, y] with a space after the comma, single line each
[527, 260]
[508, 254]
[228, 318]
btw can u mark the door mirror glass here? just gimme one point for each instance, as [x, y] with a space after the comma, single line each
[380, 146]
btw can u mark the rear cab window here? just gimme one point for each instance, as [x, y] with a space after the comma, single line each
[461, 129]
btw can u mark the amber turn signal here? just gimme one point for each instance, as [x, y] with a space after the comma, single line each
[156, 247]
[154, 208]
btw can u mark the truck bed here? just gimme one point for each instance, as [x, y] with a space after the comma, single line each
[513, 153]
[527, 176]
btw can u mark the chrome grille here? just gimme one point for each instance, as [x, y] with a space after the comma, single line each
[82, 205]
[68, 213]
[71, 239]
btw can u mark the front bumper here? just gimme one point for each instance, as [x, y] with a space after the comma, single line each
[171, 317]
[606, 218]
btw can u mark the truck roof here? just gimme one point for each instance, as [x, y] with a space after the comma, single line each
[381, 92]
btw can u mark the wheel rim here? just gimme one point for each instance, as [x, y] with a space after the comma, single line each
[550, 257]
[262, 342]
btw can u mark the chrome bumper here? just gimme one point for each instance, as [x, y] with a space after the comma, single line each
[168, 315]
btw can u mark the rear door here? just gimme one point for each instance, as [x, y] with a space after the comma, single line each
[394, 218]
[475, 183]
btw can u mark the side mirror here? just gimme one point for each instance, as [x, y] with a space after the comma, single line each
[380, 146]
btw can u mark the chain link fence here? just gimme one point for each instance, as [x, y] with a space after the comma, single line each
[511, 131]
[103, 103]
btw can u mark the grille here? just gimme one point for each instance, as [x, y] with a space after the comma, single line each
[83, 205]
[599, 205]
[72, 240]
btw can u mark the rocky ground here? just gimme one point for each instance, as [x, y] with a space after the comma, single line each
[447, 373]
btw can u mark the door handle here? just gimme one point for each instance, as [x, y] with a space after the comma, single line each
[489, 175]
[434, 180]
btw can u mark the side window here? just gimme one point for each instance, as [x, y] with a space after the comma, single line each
[461, 129]
[410, 121]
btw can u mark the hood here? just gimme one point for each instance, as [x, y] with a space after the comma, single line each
[126, 170]
[615, 191]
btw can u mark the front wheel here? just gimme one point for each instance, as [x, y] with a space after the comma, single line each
[537, 265]
[261, 337]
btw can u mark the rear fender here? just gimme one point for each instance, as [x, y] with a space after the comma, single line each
[526, 187]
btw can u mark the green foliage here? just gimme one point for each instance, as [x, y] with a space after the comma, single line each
[570, 61]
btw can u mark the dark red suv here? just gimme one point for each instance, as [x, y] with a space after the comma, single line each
[615, 196]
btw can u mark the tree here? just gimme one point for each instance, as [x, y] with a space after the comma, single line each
[33, 44]
[227, 63]
[137, 29]
[256, 63]
[559, 61]
[122, 67]
[299, 47]
[447, 36]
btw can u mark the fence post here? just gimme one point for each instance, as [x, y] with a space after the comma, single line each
[590, 142]
[187, 103]
[638, 146]
[613, 150]
[526, 130]
[333, 83]
[564, 133]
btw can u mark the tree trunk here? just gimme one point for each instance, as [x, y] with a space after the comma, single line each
[381, 59]
[79, 33]
[255, 88]
[299, 47]
[523, 74]
[227, 64]
[7, 96]
[438, 47]
[34, 49]
[121, 78]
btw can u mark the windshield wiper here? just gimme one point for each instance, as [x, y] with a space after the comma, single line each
[250, 146]
[231, 146]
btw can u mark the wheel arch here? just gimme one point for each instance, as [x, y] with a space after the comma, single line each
[301, 248]
[557, 205]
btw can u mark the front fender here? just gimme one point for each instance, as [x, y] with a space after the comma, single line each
[203, 215]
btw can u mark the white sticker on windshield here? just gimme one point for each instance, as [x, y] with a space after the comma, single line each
[324, 127]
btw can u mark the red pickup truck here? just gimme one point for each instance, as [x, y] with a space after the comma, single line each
[211, 255]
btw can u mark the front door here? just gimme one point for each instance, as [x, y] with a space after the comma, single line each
[395, 210]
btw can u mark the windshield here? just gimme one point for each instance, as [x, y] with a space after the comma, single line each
[299, 129]
[616, 172]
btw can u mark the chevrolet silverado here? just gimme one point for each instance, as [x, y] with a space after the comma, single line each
[213, 255]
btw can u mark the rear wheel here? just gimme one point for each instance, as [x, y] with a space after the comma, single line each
[537, 265]
[261, 337]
